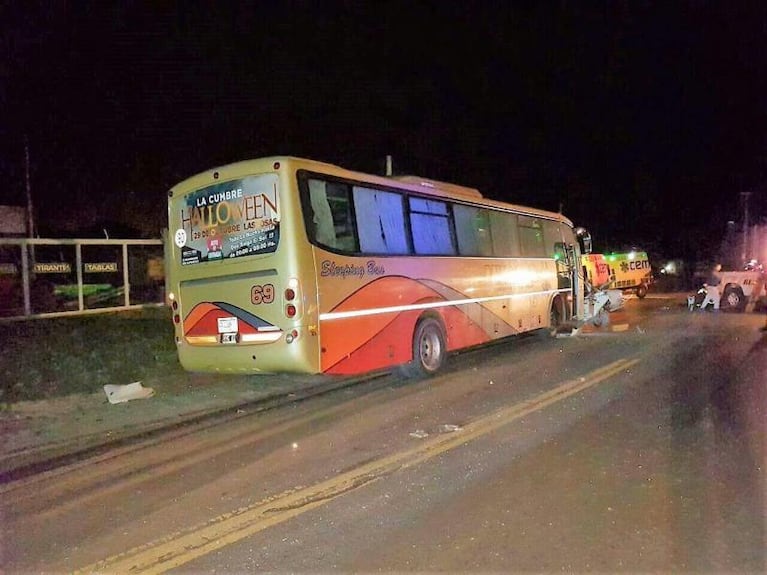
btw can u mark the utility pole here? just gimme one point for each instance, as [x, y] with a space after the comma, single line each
[28, 252]
[745, 254]
[28, 184]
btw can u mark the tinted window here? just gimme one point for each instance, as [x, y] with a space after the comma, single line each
[380, 221]
[430, 225]
[552, 234]
[331, 215]
[472, 230]
[531, 237]
[503, 227]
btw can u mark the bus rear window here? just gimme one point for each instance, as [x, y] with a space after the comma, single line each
[229, 220]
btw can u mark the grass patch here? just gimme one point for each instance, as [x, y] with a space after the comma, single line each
[70, 291]
[62, 356]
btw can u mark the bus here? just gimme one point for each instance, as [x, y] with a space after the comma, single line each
[283, 264]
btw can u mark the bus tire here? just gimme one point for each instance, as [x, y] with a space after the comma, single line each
[429, 349]
[557, 314]
[641, 291]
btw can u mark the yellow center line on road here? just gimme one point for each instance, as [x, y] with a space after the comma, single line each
[181, 548]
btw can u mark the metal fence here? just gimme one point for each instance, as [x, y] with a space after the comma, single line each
[51, 277]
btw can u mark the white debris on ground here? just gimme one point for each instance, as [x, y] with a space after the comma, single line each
[570, 333]
[449, 428]
[419, 434]
[123, 393]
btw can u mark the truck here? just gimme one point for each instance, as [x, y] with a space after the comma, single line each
[737, 289]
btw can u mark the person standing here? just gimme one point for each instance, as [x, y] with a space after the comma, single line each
[712, 288]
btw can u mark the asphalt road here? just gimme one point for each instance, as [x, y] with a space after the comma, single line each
[636, 450]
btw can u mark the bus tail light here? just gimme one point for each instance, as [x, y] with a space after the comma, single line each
[291, 296]
[174, 307]
[291, 336]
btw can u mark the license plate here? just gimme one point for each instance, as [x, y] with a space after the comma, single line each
[228, 338]
[227, 325]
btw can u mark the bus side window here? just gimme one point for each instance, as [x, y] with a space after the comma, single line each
[340, 208]
[324, 230]
[380, 221]
[553, 237]
[531, 237]
[430, 226]
[504, 233]
[472, 226]
[331, 215]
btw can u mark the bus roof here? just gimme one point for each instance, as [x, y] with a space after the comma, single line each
[427, 185]
[411, 183]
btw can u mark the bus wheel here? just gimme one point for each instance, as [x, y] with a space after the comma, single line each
[641, 291]
[556, 315]
[429, 349]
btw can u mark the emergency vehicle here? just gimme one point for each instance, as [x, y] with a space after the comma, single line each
[736, 289]
[630, 272]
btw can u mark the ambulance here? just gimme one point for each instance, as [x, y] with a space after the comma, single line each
[630, 272]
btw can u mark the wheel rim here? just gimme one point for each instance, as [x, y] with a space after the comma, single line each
[430, 349]
[733, 299]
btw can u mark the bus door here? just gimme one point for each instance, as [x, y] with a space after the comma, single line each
[564, 265]
[577, 279]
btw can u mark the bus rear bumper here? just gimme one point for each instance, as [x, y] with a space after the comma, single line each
[240, 358]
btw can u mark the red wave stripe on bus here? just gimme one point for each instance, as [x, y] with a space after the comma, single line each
[342, 336]
[198, 312]
[203, 320]
[369, 342]
[392, 345]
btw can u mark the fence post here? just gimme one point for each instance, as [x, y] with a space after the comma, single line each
[79, 263]
[25, 279]
[126, 276]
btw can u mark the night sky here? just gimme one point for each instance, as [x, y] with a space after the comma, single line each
[644, 120]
